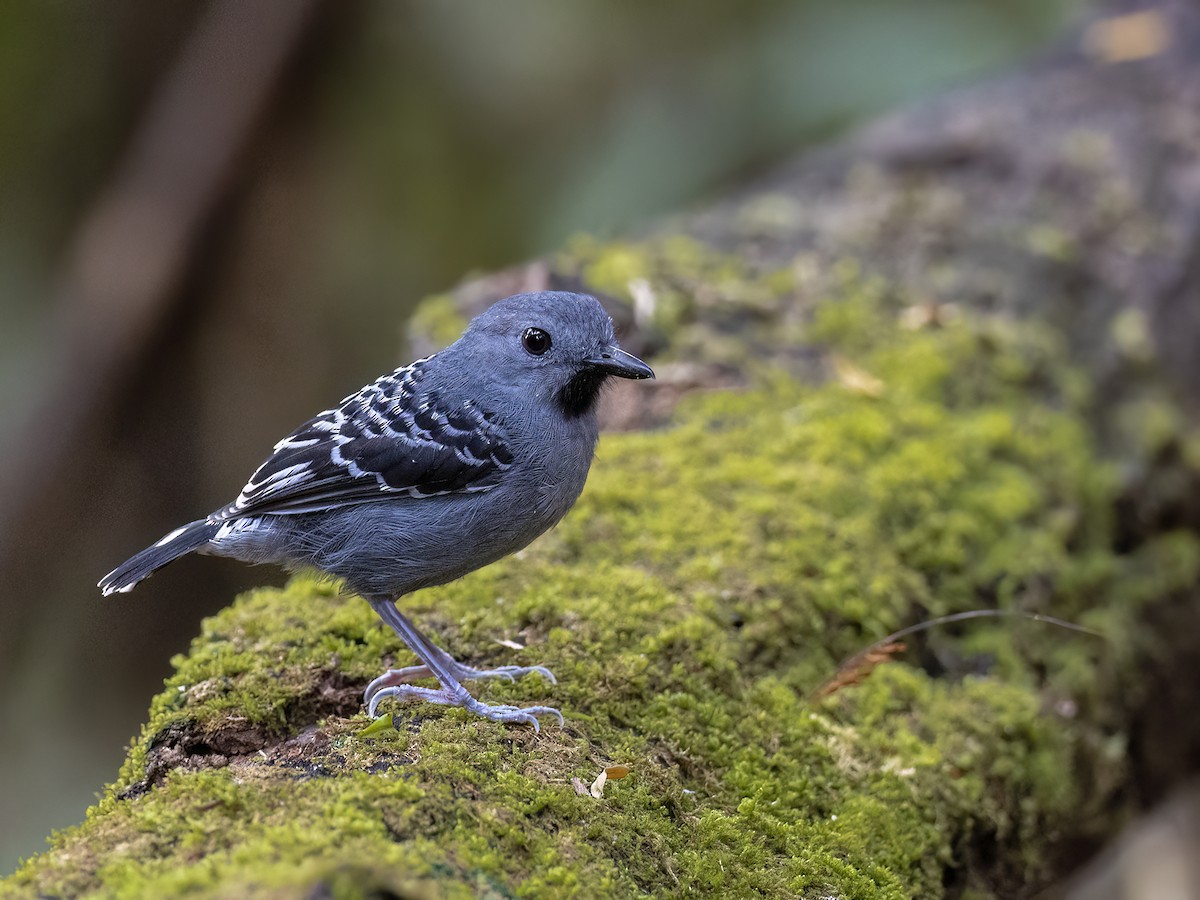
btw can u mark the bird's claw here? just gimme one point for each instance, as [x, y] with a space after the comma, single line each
[495, 712]
[508, 673]
[499, 712]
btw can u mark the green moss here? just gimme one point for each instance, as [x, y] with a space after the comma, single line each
[437, 321]
[712, 576]
[712, 306]
[1052, 243]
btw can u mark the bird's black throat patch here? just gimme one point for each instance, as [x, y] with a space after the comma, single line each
[579, 395]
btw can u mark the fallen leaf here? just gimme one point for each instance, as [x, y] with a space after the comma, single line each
[860, 381]
[597, 788]
[927, 314]
[858, 668]
[580, 787]
[382, 725]
[511, 645]
[1138, 35]
[644, 301]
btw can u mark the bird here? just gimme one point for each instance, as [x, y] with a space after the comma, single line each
[427, 473]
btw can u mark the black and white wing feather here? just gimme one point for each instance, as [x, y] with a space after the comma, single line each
[396, 437]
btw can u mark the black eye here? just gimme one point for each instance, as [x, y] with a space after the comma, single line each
[535, 341]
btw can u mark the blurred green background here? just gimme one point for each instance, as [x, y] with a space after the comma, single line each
[214, 218]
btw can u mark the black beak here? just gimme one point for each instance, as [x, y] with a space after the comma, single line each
[612, 360]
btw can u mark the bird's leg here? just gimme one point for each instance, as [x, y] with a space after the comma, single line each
[449, 674]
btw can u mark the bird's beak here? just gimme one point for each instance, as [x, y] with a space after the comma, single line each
[615, 361]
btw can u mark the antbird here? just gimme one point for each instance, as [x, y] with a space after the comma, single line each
[426, 474]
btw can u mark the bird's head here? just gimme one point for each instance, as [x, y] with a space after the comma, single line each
[550, 344]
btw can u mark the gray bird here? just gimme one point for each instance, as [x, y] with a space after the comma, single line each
[428, 473]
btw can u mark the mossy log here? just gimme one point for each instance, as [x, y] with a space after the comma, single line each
[873, 409]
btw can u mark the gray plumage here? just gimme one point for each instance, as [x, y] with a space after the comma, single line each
[428, 473]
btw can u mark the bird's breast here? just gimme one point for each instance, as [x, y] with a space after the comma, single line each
[558, 464]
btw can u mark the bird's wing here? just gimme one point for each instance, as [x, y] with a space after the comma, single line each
[396, 437]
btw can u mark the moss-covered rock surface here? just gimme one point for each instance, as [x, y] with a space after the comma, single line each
[715, 573]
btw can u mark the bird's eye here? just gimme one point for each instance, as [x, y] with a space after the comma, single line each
[535, 341]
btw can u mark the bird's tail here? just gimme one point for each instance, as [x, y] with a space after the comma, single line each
[168, 548]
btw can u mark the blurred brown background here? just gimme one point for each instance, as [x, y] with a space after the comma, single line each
[215, 216]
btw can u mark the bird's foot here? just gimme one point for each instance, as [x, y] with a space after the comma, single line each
[494, 711]
[449, 673]
[508, 673]
[394, 677]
